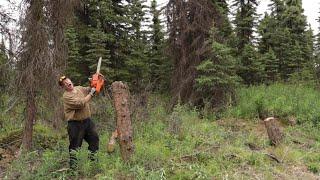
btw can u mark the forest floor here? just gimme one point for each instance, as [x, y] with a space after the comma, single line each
[201, 149]
[183, 143]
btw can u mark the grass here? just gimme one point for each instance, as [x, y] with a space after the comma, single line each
[282, 100]
[182, 144]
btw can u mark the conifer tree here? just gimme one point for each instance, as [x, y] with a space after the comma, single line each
[300, 44]
[159, 63]
[224, 32]
[271, 67]
[217, 76]
[317, 43]
[74, 57]
[251, 68]
[245, 22]
[98, 30]
[96, 48]
[136, 69]
[317, 49]
[284, 31]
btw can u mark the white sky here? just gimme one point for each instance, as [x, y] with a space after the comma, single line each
[311, 10]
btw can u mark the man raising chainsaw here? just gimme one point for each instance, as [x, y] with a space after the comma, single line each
[77, 113]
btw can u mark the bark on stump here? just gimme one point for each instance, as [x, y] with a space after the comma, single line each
[121, 93]
[273, 130]
[112, 142]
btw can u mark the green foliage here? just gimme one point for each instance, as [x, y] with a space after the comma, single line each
[284, 31]
[159, 63]
[245, 21]
[317, 49]
[91, 36]
[271, 65]
[217, 75]
[224, 33]
[313, 160]
[203, 149]
[279, 100]
[251, 68]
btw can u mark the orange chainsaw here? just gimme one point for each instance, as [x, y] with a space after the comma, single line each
[97, 80]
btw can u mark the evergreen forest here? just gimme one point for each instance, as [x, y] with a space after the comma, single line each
[216, 89]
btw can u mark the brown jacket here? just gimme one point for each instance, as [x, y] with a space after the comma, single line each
[75, 107]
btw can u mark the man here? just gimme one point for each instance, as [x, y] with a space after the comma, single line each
[77, 113]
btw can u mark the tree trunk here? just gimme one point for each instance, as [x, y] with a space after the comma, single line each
[120, 93]
[273, 130]
[28, 125]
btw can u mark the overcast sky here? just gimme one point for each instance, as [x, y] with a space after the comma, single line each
[311, 10]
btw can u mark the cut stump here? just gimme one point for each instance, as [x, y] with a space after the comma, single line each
[121, 97]
[274, 132]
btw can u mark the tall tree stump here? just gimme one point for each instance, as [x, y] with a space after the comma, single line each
[121, 95]
[273, 130]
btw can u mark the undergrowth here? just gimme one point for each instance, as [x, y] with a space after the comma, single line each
[280, 100]
[183, 144]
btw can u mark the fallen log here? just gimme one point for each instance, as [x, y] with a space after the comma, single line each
[273, 157]
[121, 97]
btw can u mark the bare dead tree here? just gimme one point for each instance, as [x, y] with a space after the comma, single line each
[42, 56]
[61, 12]
[32, 65]
[189, 24]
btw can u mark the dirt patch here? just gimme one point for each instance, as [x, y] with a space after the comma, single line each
[298, 172]
[238, 125]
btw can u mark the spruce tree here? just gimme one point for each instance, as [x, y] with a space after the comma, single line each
[317, 49]
[245, 22]
[271, 67]
[224, 33]
[159, 63]
[317, 39]
[301, 42]
[97, 47]
[74, 57]
[251, 68]
[136, 69]
[284, 31]
[217, 76]
[87, 40]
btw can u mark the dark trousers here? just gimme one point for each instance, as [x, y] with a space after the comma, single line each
[79, 130]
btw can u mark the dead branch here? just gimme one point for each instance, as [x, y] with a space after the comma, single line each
[273, 157]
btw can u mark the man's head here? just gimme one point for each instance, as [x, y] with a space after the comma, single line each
[66, 83]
